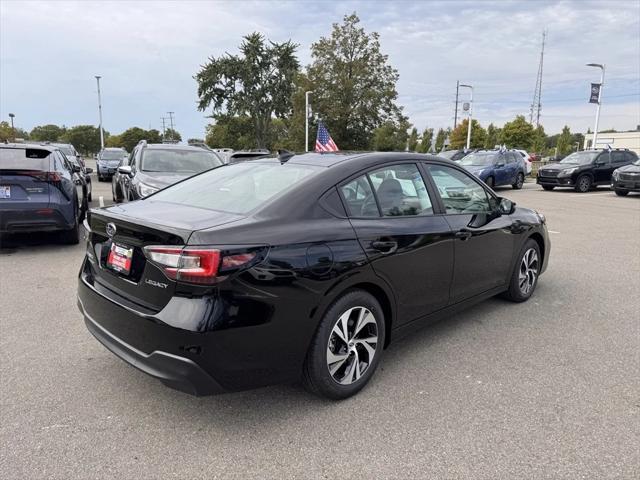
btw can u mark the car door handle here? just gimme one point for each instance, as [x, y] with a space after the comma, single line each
[463, 234]
[386, 247]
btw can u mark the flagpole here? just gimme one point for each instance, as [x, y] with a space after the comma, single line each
[595, 133]
[306, 120]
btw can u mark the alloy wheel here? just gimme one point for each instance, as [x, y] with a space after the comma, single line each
[584, 184]
[352, 344]
[520, 181]
[528, 271]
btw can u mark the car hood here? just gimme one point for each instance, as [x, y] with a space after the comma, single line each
[629, 169]
[162, 179]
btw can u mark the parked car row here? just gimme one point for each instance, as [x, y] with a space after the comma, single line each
[496, 167]
[588, 169]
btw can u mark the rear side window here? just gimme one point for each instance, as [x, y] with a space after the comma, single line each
[398, 190]
[238, 188]
[618, 157]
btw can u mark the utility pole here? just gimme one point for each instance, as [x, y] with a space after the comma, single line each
[164, 127]
[470, 115]
[98, 77]
[306, 120]
[595, 131]
[455, 116]
[13, 129]
[171, 123]
[536, 105]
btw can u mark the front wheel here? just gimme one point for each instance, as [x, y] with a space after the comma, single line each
[347, 347]
[583, 184]
[519, 182]
[490, 182]
[524, 278]
[621, 193]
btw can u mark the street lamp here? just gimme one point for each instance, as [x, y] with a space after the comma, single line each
[100, 113]
[595, 131]
[13, 130]
[470, 114]
[306, 120]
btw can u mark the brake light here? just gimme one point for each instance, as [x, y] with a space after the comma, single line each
[193, 265]
[40, 175]
[235, 261]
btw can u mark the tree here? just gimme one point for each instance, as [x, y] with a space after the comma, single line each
[85, 138]
[458, 137]
[231, 132]
[564, 142]
[440, 138]
[195, 141]
[6, 132]
[426, 140]
[132, 136]
[354, 86]
[493, 136]
[517, 134]
[390, 137]
[47, 133]
[171, 135]
[412, 143]
[258, 83]
[539, 140]
[113, 141]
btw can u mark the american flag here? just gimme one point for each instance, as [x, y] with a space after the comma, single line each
[324, 142]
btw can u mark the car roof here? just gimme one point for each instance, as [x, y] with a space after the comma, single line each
[173, 146]
[363, 159]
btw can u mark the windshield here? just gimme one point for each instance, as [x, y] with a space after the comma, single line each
[178, 161]
[67, 150]
[237, 188]
[479, 159]
[580, 158]
[448, 154]
[113, 155]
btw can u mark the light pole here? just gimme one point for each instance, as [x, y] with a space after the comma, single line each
[306, 120]
[98, 77]
[13, 130]
[595, 131]
[470, 114]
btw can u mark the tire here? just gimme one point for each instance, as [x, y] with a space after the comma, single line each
[621, 193]
[90, 197]
[343, 381]
[519, 182]
[72, 236]
[548, 187]
[583, 184]
[529, 259]
[490, 182]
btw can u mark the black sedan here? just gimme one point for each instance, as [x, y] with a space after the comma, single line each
[626, 179]
[299, 267]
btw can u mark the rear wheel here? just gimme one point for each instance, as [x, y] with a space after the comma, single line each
[583, 184]
[72, 236]
[490, 182]
[347, 347]
[548, 187]
[525, 274]
[519, 182]
[621, 193]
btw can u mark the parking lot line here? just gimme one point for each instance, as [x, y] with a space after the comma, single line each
[101, 201]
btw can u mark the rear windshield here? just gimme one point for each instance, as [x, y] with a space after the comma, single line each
[178, 161]
[113, 155]
[237, 188]
[24, 159]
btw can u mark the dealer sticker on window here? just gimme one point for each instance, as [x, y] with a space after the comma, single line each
[5, 191]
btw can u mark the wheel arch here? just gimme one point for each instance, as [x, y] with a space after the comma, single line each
[537, 237]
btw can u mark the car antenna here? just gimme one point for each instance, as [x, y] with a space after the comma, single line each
[285, 155]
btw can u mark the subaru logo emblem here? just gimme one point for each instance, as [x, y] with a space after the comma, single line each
[111, 229]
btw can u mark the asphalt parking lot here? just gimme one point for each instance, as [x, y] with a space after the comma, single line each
[545, 389]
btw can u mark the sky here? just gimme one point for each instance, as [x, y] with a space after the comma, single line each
[147, 53]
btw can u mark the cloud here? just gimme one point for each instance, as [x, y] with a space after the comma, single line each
[148, 52]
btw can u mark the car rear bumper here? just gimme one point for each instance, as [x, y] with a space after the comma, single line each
[174, 371]
[39, 219]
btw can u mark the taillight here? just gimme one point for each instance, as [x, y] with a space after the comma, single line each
[42, 176]
[193, 265]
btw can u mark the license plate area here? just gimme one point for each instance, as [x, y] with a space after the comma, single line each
[120, 258]
[5, 191]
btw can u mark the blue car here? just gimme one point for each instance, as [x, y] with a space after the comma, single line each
[40, 190]
[496, 167]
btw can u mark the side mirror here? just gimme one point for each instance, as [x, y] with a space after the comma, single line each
[499, 164]
[506, 207]
[76, 168]
[125, 170]
[88, 170]
[599, 163]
